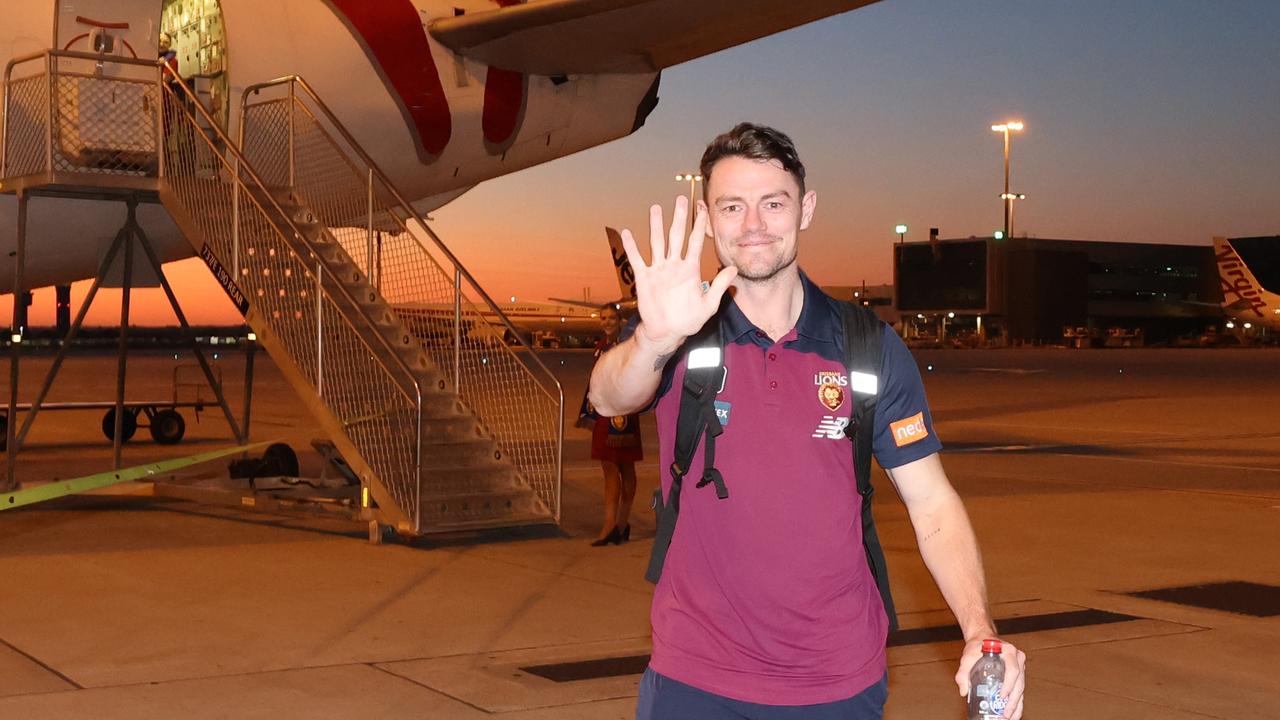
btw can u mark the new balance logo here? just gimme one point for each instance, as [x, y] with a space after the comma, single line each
[831, 427]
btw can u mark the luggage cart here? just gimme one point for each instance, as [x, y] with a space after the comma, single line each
[160, 417]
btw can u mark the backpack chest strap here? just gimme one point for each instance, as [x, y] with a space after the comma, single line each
[698, 412]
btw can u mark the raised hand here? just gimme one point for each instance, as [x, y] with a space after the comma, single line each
[669, 291]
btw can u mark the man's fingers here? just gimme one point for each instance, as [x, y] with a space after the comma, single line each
[1014, 667]
[675, 242]
[1015, 677]
[719, 284]
[694, 249]
[657, 240]
[633, 252]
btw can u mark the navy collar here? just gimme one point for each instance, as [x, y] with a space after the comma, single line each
[818, 320]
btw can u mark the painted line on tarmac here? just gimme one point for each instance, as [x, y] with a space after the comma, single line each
[41, 663]
[1089, 429]
[1216, 466]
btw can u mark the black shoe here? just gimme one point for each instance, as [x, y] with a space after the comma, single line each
[626, 533]
[613, 538]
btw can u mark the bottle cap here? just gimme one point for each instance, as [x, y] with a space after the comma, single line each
[991, 646]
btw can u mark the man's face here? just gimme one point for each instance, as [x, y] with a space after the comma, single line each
[756, 215]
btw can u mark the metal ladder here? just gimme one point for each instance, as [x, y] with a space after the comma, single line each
[326, 256]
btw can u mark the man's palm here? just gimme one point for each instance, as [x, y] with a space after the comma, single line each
[669, 291]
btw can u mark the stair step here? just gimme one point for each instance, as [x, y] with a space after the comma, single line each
[469, 452]
[471, 478]
[510, 520]
[454, 427]
[458, 509]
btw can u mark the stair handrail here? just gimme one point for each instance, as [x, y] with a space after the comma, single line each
[50, 54]
[414, 214]
[242, 163]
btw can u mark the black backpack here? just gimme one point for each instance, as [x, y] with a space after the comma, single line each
[697, 420]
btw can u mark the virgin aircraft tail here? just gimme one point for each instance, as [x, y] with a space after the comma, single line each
[1243, 297]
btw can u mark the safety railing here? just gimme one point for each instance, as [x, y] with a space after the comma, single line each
[291, 136]
[361, 380]
[79, 112]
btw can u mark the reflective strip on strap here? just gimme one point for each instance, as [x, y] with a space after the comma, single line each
[865, 383]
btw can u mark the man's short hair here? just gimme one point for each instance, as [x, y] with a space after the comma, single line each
[754, 142]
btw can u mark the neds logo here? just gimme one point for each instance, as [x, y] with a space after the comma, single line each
[909, 430]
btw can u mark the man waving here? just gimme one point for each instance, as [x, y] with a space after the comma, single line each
[766, 607]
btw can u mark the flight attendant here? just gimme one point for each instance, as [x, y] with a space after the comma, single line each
[616, 443]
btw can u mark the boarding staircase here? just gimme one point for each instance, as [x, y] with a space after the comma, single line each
[367, 313]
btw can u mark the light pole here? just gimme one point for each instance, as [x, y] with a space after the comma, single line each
[901, 230]
[693, 180]
[1009, 198]
[1005, 128]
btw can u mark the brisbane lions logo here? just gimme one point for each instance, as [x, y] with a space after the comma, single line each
[831, 396]
[831, 385]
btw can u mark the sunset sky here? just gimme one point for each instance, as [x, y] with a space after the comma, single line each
[1146, 121]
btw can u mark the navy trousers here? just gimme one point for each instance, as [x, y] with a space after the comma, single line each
[662, 698]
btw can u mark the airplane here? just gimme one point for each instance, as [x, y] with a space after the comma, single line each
[1244, 298]
[626, 302]
[442, 95]
[546, 323]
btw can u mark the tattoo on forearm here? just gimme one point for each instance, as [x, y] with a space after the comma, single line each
[661, 360]
[929, 537]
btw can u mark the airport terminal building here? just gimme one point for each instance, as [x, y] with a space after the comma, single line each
[1034, 290]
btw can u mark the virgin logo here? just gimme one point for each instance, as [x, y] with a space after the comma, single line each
[1236, 281]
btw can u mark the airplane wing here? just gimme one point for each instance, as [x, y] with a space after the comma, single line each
[576, 303]
[562, 37]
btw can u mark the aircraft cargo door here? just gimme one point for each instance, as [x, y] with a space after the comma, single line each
[196, 34]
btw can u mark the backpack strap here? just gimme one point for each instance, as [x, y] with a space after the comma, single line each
[703, 380]
[863, 335]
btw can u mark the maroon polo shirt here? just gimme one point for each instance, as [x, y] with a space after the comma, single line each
[766, 596]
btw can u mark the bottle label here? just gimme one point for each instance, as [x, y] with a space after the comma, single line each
[990, 704]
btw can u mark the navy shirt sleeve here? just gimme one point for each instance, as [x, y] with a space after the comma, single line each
[904, 427]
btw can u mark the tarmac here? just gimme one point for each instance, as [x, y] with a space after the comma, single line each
[1090, 475]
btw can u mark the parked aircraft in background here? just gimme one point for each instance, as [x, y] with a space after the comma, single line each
[1241, 263]
[546, 324]
[442, 95]
[626, 302]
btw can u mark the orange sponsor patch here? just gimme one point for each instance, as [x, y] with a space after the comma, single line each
[909, 430]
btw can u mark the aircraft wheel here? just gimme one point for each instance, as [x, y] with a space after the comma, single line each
[168, 427]
[130, 425]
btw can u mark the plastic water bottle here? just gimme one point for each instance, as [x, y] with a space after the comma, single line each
[985, 682]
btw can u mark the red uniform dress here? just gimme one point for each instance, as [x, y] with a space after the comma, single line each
[616, 439]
